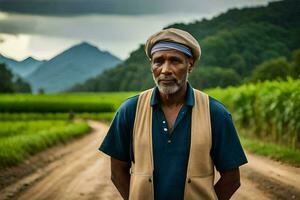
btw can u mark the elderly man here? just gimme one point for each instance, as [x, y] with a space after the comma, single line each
[165, 142]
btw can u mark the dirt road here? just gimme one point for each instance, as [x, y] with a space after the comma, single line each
[79, 171]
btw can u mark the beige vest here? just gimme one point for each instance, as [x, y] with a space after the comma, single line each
[200, 172]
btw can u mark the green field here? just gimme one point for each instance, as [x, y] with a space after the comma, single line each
[60, 103]
[20, 139]
[32, 123]
[104, 116]
[271, 150]
[267, 112]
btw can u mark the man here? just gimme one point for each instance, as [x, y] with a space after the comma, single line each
[165, 142]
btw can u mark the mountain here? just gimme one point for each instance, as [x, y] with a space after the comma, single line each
[74, 65]
[21, 68]
[232, 44]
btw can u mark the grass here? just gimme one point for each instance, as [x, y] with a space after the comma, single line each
[103, 116]
[39, 122]
[271, 150]
[59, 103]
[32, 123]
[25, 134]
[268, 110]
[21, 139]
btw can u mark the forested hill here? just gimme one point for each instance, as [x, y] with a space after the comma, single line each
[233, 45]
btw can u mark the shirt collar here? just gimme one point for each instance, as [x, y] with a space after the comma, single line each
[189, 97]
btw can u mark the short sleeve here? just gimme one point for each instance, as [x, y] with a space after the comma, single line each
[227, 152]
[118, 138]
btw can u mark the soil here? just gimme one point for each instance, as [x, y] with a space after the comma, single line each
[77, 170]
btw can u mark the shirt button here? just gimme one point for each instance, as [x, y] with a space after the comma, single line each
[169, 141]
[164, 122]
[165, 129]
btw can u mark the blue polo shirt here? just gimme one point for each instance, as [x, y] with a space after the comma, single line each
[171, 149]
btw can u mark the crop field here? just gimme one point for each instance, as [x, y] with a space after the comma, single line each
[32, 123]
[268, 111]
[60, 103]
[105, 116]
[20, 139]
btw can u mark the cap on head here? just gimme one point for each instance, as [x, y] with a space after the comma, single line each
[169, 38]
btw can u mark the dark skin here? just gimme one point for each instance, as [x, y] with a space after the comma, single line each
[120, 176]
[172, 63]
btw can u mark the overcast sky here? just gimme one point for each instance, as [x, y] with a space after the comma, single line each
[43, 28]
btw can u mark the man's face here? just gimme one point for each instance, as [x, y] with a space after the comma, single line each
[170, 70]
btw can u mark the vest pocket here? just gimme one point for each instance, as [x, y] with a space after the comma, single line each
[141, 187]
[200, 188]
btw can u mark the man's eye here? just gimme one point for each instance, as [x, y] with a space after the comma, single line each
[175, 61]
[157, 62]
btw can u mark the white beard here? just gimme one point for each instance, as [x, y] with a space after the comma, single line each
[170, 89]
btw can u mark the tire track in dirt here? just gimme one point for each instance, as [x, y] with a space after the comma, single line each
[277, 180]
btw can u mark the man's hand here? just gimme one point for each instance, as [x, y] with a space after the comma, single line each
[227, 184]
[120, 176]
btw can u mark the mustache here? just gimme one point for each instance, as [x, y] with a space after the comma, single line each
[166, 78]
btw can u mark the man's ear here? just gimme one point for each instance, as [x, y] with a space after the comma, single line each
[190, 65]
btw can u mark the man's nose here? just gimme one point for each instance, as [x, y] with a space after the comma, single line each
[166, 68]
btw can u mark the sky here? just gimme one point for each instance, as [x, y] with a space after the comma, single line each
[44, 28]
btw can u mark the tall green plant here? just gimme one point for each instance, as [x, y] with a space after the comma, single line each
[268, 110]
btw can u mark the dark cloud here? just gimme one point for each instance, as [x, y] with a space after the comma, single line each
[43, 28]
[122, 7]
[16, 25]
[66, 7]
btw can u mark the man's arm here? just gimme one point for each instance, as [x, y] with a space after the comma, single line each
[120, 176]
[227, 184]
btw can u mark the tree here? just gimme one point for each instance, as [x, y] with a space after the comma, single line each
[209, 77]
[296, 64]
[6, 83]
[237, 63]
[22, 86]
[41, 91]
[275, 69]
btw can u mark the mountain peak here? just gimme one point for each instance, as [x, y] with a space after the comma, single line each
[74, 65]
[28, 59]
[85, 44]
